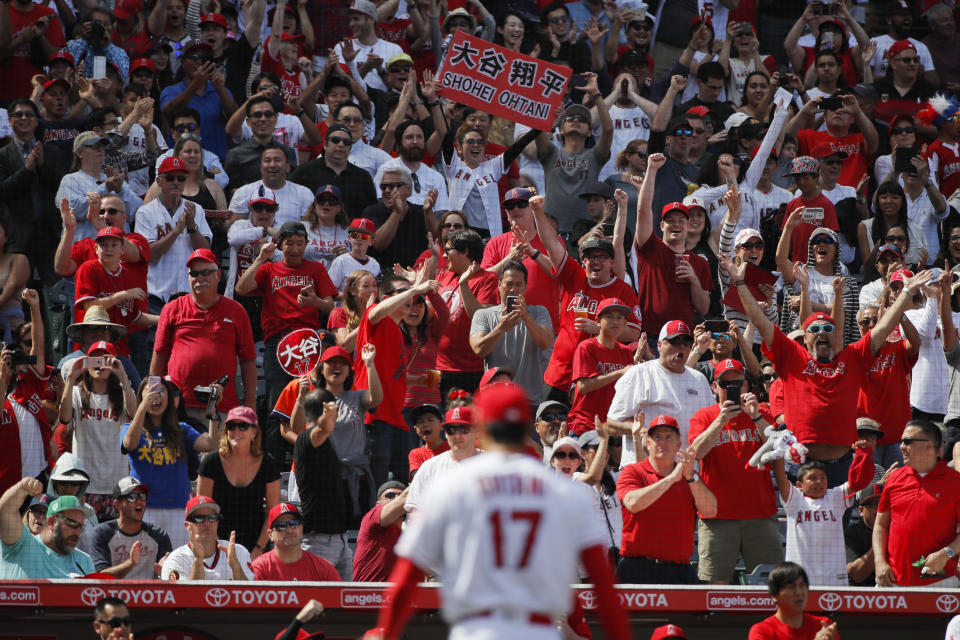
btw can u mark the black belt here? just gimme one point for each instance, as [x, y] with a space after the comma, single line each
[657, 561]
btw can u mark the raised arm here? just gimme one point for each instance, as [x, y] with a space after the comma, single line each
[946, 315]
[619, 232]
[11, 522]
[644, 227]
[750, 304]
[783, 247]
[548, 235]
[889, 320]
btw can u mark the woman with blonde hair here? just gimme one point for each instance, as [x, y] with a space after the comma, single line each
[359, 289]
[243, 479]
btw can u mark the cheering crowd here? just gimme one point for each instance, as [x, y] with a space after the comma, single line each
[746, 214]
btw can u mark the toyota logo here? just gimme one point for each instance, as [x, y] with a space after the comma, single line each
[588, 599]
[91, 595]
[948, 603]
[830, 601]
[217, 597]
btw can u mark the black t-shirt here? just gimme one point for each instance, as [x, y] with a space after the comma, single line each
[235, 63]
[324, 501]
[242, 507]
[61, 135]
[355, 184]
[858, 539]
[411, 237]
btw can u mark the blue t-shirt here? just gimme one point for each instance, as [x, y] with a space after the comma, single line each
[211, 115]
[30, 559]
[154, 465]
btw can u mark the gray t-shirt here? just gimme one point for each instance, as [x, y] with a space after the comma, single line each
[953, 387]
[566, 175]
[516, 348]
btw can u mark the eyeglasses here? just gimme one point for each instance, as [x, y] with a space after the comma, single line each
[682, 133]
[769, 377]
[180, 128]
[22, 115]
[70, 522]
[111, 211]
[900, 130]
[553, 417]
[827, 240]
[69, 483]
[390, 185]
[700, 132]
[906, 442]
[473, 142]
[198, 57]
[353, 119]
[263, 206]
[575, 118]
[896, 239]
[752, 245]
[116, 623]
[292, 523]
[640, 26]
[515, 204]
[716, 335]
[238, 426]
[212, 517]
[456, 429]
[867, 321]
[459, 225]
[683, 341]
[338, 140]
[203, 273]
[390, 495]
[817, 328]
[566, 455]
[908, 60]
[134, 497]
[255, 115]
[596, 256]
[176, 178]
[328, 201]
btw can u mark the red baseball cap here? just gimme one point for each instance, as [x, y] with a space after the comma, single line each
[111, 232]
[335, 351]
[668, 631]
[502, 403]
[263, 194]
[493, 372]
[818, 316]
[287, 37]
[365, 225]
[55, 81]
[824, 150]
[674, 329]
[215, 18]
[202, 254]
[900, 274]
[458, 415]
[200, 502]
[899, 47]
[143, 63]
[697, 111]
[66, 56]
[280, 509]
[674, 206]
[728, 365]
[664, 421]
[614, 304]
[172, 164]
[102, 345]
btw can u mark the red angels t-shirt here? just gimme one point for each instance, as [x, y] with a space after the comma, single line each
[742, 491]
[86, 249]
[542, 288]
[776, 397]
[391, 367]
[93, 281]
[309, 568]
[800, 240]
[885, 393]
[592, 359]
[947, 158]
[820, 400]
[204, 345]
[418, 456]
[773, 629]
[374, 558]
[664, 530]
[454, 354]
[577, 292]
[289, 80]
[442, 263]
[20, 67]
[395, 31]
[279, 285]
[662, 297]
[854, 166]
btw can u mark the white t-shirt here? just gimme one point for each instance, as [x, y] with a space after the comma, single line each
[870, 292]
[345, 264]
[244, 240]
[179, 563]
[32, 458]
[436, 467]
[931, 374]
[879, 62]
[168, 274]
[815, 535]
[382, 48]
[505, 534]
[321, 242]
[136, 141]
[293, 200]
[428, 179]
[651, 388]
[368, 158]
[96, 432]
[289, 131]
[629, 124]
[921, 212]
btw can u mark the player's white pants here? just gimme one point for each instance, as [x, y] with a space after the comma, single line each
[493, 628]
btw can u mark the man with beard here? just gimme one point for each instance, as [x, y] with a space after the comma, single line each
[334, 167]
[52, 553]
[33, 25]
[551, 416]
[241, 163]
[288, 129]
[412, 142]
[292, 199]
[899, 23]
[128, 547]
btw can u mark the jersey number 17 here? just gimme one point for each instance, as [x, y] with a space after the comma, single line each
[531, 518]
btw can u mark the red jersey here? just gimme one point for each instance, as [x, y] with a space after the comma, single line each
[374, 558]
[337, 319]
[418, 456]
[86, 249]
[395, 31]
[578, 292]
[662, 297]
[289, 80]
[743, 492]
[946, 163]
[820, 399]
[454, 354]
[885, 394]
[542, 288]
[773, 629]
[136, 45]
[21, 66]
[924, 513]
[800, 240]
[442, 263]
[204, 345]
[776, 397]
[391, 366]
[309, 568]
[279, 285]
[847, 66]
[93, 281]
[592, 359]
[664, 530]
[854, 167]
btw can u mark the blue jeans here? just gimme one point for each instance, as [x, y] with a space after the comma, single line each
[389, 451]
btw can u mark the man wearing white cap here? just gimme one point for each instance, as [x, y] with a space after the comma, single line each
[365, 52]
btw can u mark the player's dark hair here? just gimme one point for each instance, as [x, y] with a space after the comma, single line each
[99, 116]
[387, 284]
[515, 265]
[507, 432]
[550, 8]
[185, 112]
[106, 601]
[23, 101]
[710, 70]
[807, 467]
[469, 242]
[346, 105]
[313, 404]
[929, 429]
[785, 573]
[266, 75]
[255, 101]
[333, 82]
[828, 53]
[136, 89]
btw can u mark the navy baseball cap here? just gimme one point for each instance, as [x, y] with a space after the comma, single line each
[518, 193]
[331, 190]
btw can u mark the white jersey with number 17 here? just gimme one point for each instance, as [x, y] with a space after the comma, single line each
[505, 534]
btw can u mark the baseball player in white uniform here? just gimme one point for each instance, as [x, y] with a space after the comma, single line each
[504, 534]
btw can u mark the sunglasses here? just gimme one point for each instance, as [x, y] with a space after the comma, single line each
[116, 623]
[896, 239]
[449, 249]
[906, 442]
[176, 178]
[867, 322]
[400, 68]
[353, 119]
[358, 235]
[459, 225]
[827, 240]
[213, 517]
[682, 133]
[681, 342]
[22, 115]
[566, 455]
[339, 140]
[456, 429]
[769, 377]
[134, 497]
[700, 132]
[515, 204]
[292, 523]
[575, 118]
[70, 483]
[111, 211]
[818, 328]
[716, 335]
[328, 201]
[559, 20]
[901, 130]
[640, 26]
[752, 245]
[553, 417]
[70, 522]
[238, 426]
[263, 206]
[180, 128]
[384, 186]
[255, 115]
[203, 273]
